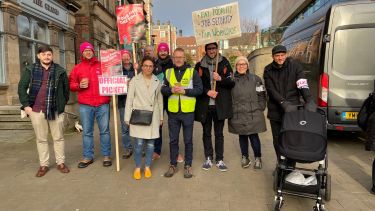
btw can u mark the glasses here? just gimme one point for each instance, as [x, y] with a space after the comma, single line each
[179, 57]
[148, 66]
[241, 64]
[212, 48]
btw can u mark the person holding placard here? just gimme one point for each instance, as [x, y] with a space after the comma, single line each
[84, 80]
[129, 72]
[144, 114]
[215, 104]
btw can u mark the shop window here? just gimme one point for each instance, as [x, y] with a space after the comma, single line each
[24, 28]
[40, 31]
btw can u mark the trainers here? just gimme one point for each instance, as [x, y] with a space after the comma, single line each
[180, 158]
[207, 164]
[171, 171]
[155, 156]
[245, 162]
[221, 165]
[258, 163]
[188, 172]
[127, 154]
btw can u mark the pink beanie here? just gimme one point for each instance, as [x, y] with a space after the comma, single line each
[163, 47]
[86, 45]
[124, 51]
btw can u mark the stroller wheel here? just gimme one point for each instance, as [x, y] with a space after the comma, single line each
[327, 190]
[278, 204]
[320, 208]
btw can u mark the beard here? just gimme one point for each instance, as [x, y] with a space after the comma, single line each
[46, 62]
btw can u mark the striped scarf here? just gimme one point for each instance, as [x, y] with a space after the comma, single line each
[36, 82]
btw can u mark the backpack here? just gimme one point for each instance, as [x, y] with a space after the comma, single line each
[367, 109]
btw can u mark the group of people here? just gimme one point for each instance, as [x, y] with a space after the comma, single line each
[209, 93]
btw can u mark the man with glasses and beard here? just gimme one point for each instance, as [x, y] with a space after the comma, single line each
[43, 92]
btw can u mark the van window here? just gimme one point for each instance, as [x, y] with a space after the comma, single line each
[353, 52]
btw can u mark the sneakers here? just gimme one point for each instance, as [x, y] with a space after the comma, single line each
[207, 164]
[245, 162]
[107, 161]
[171, 171]
[127, 154]
[155, 156]
[258, 163]
[180, 158]
[188, 172]
[221, 166]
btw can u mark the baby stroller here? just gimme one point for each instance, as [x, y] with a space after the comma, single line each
[303, 139]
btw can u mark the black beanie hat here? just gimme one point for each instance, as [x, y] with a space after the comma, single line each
[278, 49]
[213, 43]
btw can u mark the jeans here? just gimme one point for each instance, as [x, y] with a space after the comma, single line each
[138, 149]
[219, 137]
[175, 120]
[88, 115]
[255, 144]
[125, 137]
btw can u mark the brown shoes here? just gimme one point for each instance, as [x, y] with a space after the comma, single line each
[63, 168]
[42, 171]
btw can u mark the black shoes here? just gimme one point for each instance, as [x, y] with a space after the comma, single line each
[84, 163]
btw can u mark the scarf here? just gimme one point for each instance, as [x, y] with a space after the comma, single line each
[210, 63]
[36, 82]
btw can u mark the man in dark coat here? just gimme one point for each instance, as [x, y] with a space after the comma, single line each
[285, 84]
[43, 91]
[162, 63]
[371, 141]
[215, 104]
[128, 70]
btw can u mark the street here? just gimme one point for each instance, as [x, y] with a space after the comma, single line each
[100, 188]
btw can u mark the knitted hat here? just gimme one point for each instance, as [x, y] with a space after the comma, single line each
[124, 51]
[86, 45]
[163, 47]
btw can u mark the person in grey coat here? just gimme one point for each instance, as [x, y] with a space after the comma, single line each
[144, 94]
[249, 102]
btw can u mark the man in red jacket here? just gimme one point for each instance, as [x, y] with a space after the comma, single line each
[84, 80]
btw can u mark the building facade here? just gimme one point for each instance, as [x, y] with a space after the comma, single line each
[165, 32]
[96, 23]
[193, 51]
[24, 26]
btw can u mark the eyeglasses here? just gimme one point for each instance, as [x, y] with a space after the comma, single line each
[179, 57]
[241, 64]
[148, 66]
[212, 48]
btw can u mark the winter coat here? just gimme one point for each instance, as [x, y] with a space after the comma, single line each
[371, 131]
[249, 102]
[281, 85]
[139, 97]
[130, 74]
[88, 69]
[61, 87]
[223, 100]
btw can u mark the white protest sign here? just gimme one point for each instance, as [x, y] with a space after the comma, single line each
[115, 85]
[217, 23]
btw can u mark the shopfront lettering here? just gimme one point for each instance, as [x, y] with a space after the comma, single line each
[47, 6]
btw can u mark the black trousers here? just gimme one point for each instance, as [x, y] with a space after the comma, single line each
[219, 137]
[275, 127]
[175, 121]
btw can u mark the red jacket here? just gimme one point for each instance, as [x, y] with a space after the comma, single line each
[88, 69]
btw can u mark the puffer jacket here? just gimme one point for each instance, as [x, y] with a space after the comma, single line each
[88, 69]
[249, 102]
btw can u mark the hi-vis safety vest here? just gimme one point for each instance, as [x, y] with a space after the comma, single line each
[187, 103]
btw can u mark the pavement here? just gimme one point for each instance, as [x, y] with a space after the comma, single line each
[100, 188]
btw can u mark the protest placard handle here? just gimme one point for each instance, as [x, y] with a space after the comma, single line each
[216, 66]
[116, 133]
[134, 58]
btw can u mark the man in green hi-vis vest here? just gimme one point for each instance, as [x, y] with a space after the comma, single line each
[182, 85]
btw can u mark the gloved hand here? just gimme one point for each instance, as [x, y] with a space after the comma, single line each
[288, 107]
[310, 106]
